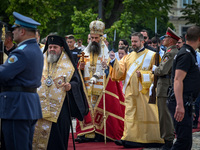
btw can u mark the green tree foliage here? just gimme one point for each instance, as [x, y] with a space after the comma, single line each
[123, 29]
[63, 24]
[144, 12]
[80, 23]
[73, 16]
[40, 10]
[134, 15]
[191, 13]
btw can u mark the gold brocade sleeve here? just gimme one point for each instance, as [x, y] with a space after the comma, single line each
[118, 71]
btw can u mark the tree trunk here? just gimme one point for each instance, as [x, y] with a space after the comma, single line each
[116, 11]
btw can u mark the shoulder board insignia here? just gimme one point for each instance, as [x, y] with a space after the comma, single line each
[188, 50]
[169, 50]
[22, 46]
[165, 59]
[12, 59]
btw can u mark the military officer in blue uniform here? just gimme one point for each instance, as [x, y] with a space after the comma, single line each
[20, 76]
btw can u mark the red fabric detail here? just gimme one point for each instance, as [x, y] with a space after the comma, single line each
[169, 50]
[103, 146]
[77, 65]
[173, 36]
[96, 145]
[198, 127]
[87, 118]
[114, 126]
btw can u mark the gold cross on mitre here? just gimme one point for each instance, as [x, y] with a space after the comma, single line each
[52, 38]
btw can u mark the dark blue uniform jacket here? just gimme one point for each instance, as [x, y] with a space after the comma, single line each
[22, 68]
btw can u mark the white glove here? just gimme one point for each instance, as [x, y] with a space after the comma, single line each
[150, 89]
[93, 80]
[154, 67]
[97, 75]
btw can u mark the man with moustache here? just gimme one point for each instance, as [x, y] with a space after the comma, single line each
[92, 128]
[58, 95]
[141, 125]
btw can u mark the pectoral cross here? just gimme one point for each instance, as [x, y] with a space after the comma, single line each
[82, 56]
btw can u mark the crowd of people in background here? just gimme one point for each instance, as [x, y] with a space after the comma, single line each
[76, 81]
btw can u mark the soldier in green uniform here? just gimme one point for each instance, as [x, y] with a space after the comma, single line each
[163, 71]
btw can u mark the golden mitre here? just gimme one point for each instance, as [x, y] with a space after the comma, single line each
[97, 27]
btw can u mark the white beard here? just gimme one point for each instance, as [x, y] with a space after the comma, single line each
[52, 58]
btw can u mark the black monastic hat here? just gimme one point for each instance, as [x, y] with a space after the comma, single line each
[58, 40]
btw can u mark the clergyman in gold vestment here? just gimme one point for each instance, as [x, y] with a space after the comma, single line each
[141, 125]
[59, 75]
[93, 126]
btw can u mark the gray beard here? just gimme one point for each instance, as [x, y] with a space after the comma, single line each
[95, 48]
[52, 58]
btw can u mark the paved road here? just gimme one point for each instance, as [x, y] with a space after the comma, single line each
[195, 145]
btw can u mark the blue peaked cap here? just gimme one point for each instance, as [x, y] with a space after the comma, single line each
[24, 21]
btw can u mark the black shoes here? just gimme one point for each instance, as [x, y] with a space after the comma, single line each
[98, 138]
[119, 142]
[79, 139]
[194, 126]
[82, 139]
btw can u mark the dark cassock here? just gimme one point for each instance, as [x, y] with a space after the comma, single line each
[52, 131]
